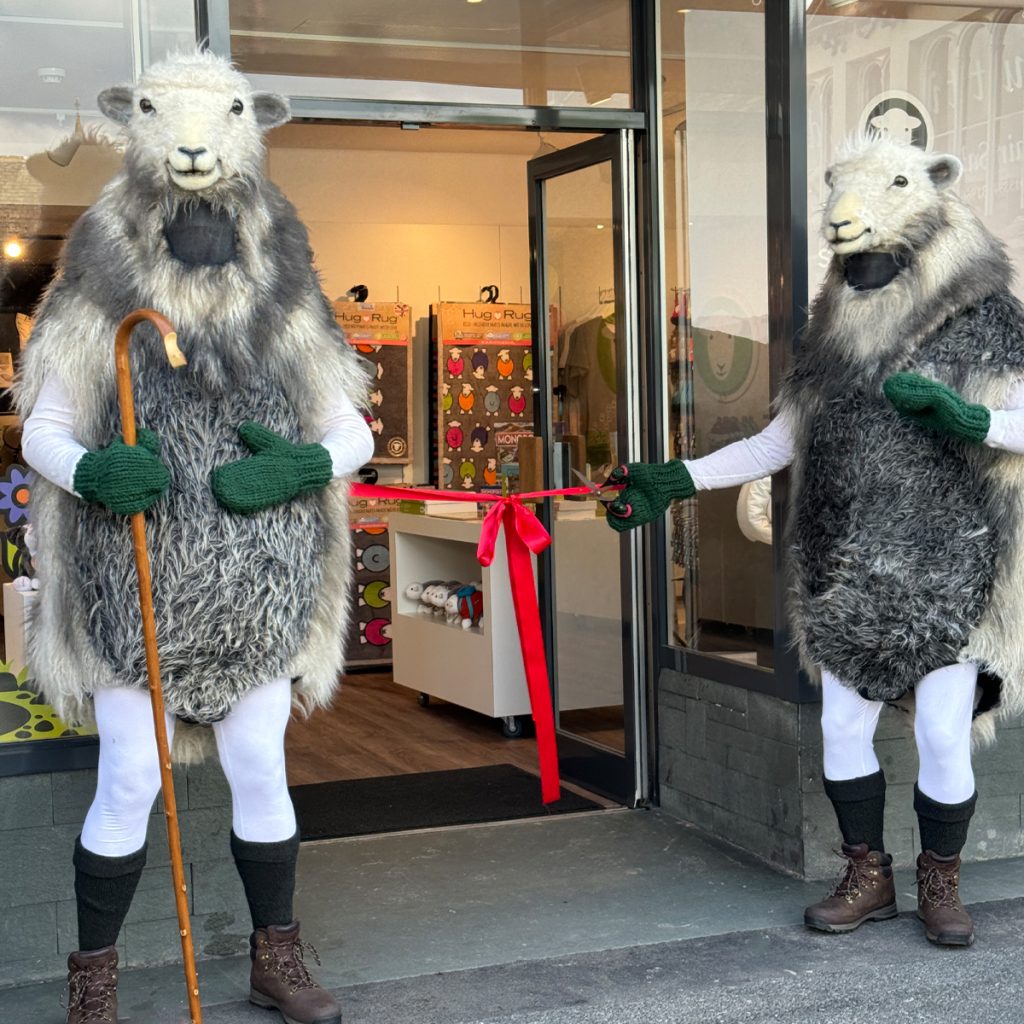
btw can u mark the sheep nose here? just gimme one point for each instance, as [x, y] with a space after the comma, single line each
[192, 153]
[837, 224]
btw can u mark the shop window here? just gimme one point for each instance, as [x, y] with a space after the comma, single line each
[56, 154]
[721, 600]
[56, 149]
[956, 73]
[568, 53]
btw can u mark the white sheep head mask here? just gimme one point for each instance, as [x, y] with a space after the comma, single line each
[885, 195]
[194, 121]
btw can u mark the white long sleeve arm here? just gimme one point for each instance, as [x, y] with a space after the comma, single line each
[347, 437]
[50, 447]
[1006, 431]
[750, 459]
[48, 440]
[772, 449]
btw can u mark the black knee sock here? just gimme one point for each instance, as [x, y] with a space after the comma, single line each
[943, 826]
[860, 807]
[268, 877]
[104, 887]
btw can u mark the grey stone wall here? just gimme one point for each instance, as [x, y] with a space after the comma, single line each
[747, 768]
[40, 816]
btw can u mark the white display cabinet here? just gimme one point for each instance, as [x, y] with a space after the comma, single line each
[480, 668]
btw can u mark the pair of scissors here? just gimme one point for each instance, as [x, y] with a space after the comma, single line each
[599, 490]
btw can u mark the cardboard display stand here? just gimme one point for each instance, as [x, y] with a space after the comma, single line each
[381, 332]
[483, 378]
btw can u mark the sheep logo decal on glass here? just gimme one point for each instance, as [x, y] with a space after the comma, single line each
[900, 117]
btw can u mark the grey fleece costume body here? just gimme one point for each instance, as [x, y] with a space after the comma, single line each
[239, 599]
[896, 533]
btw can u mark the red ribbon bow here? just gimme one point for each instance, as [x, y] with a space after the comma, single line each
[524, 534]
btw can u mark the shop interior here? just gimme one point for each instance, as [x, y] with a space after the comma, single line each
[413, 227]
[409, 226]
[421, 219]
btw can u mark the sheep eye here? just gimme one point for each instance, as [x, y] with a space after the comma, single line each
[899, 181]
[237, 107]
[146, 107]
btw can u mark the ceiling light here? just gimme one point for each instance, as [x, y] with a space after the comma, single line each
[600, 227]
[12, 249]
[474, 1]
[52, 76]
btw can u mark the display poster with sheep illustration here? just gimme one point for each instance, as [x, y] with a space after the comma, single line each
[484, 382]
[381, 332]
[369, 638]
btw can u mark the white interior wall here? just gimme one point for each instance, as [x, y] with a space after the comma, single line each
[416, 225]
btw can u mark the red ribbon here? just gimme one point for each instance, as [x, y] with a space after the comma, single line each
[524, 534]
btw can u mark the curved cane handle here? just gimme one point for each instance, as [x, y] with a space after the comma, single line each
[122, 341]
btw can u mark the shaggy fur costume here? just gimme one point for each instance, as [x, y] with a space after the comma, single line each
[907, 545]
[239, 599]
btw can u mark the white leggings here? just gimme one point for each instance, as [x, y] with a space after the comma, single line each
[250, 743]
[944, 706]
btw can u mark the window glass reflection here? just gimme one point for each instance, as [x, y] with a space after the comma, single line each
[573, 53]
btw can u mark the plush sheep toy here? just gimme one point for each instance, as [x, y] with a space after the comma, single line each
[247, 530]
[469, 603]
[902, 420]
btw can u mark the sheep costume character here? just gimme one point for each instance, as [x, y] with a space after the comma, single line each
[248, 534]
[902, 421]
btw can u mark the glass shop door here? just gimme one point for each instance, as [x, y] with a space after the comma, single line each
[583, 242]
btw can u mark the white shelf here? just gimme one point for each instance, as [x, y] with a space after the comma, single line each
[480, 668]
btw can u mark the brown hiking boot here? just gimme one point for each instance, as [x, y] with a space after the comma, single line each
[865, 892]
[280, 979]
[92, 987]
[938, 901]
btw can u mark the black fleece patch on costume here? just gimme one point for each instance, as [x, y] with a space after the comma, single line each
[201, 235]
[866, 271]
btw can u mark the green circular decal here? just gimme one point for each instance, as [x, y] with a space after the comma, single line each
[724, 362]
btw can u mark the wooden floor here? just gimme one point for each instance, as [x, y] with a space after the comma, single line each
[377, 728]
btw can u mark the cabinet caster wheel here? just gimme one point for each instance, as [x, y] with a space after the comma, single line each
[423, 700]
[513, 727]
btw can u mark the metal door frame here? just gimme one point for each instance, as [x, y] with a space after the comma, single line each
[621, 777]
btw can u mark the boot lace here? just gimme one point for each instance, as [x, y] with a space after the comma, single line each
[939, 889]
[290, 965]
[89, 994]
[854, 879]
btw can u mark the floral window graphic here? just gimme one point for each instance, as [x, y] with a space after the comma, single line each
[24, 714]
[15, 489]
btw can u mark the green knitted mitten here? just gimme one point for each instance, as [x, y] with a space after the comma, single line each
[648, 492]
[937, 407]
[277, 471]
[123, 478]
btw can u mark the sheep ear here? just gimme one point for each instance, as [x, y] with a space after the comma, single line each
[116, 102]
[945, 171]
[270, 109]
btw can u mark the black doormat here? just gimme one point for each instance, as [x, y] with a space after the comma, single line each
[396, 803]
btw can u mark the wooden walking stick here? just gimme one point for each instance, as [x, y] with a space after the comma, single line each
[127, 403]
